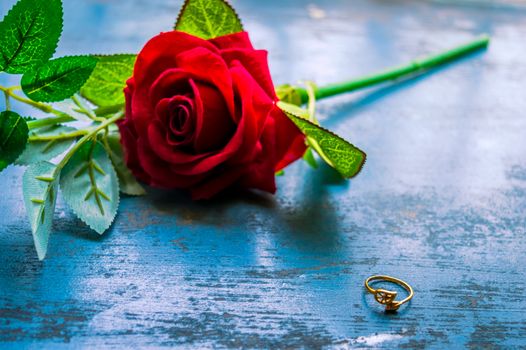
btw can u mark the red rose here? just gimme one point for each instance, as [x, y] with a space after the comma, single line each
[202, 115]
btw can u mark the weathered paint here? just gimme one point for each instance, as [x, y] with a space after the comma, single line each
[441, 202]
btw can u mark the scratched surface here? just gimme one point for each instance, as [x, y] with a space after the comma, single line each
[441, 201]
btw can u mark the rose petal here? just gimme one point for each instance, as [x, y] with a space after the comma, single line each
[172, 82]
[160, 53]
[290, 141]
[217, 183]
[188, 164]
[183, 133]
[161, 174]
[258, 174]
[261, 174]
[173, 155]
[131, 157]
[239, 40]
[253, 110]
[180, 123]
[165, 107]
[215, 126]
[216, 72]
[256, 63]
[129, 138]
[141, 111]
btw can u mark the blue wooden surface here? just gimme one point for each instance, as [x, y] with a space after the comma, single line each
[441, 202]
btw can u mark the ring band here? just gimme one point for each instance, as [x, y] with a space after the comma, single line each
[387, 297]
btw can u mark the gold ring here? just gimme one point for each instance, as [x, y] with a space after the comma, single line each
[387, 297]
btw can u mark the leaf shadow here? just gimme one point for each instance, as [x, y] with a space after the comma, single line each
[18, 252]
[74, 227]
[313, 221]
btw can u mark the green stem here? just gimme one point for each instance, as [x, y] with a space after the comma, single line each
[61, 117]
[82, 108]
[415, 67]
[102, 111]
[7, 101]
[41, 106]
[66, 136]
[33, 124]
[87, 137]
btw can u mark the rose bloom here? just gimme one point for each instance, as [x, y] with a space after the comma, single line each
[201, 115]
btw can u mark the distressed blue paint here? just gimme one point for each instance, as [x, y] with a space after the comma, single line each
[440, 203]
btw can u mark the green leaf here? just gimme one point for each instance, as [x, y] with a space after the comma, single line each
[105, 85]
[58, 79]
[90, 186]
[338, 153]
[29, 34]
[13, 137]
[46, 143]
[127, 182]
[40, 187]
[208, 19]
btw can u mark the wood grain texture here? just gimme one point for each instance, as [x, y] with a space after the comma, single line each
[441, 202]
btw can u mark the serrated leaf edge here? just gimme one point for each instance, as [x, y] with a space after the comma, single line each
[181, 12]
[47, 193]
[362, 163]
[116, 211]
[42, 205]
[104, 55]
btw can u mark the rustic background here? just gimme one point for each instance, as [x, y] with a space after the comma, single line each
[440, 203]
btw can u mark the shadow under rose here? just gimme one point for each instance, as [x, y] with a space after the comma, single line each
[313, 219]
[172, 200]
[310, 219]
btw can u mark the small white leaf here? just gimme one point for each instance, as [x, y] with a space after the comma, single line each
[40, 186]
[90, 186]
